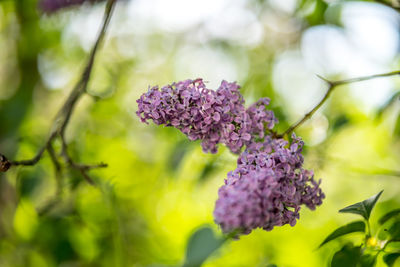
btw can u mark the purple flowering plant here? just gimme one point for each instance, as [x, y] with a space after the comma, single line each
[51, 6]
[269, 185]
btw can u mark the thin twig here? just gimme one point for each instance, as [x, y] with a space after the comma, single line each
[67, 109]
[58, 176]
[82, 168]
[383, 2]
[36, 158]
[57, 168]
[332, 85]
[68, 159]
[64, 114]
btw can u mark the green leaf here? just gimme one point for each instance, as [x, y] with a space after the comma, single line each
[178, 154]
[390, 259]
[200, 246]
[394, 98]
[348, 256]
[317, 16]
[339, 122]
[389, 215]
[208, 169]
[363, 208]
[396, 130]
[357, 226]
[394, 230]
[367, 260]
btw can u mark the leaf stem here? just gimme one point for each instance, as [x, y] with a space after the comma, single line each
[368, 232]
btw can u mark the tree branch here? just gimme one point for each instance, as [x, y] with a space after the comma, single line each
[82, 168]
[58, 175]
[332, 85]
[393, 5]
[64, 114]
[57, 168]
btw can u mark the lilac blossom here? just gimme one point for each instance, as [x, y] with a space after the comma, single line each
[269, 185]
[261, 118]
[202, 114]
[267, 189]
[51, 6]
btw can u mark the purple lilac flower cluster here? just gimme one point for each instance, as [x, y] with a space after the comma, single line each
[51, 6]
[269, 185]
[267, 188]
[202, 114]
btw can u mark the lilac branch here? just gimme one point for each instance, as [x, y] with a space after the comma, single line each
[332, 85]
[82, 168]
[64, 114]
[59, 176]
[394, 6]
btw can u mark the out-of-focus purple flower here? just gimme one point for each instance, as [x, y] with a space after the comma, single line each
[50, 6]
[267, 189]
[203, 114]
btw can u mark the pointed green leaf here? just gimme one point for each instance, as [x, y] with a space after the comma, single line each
[357, 226]
[363, 208]
[390, 259]
[200, 246]
[389, 215]
[348, 256]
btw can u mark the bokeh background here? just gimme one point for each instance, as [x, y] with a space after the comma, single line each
[159, 188]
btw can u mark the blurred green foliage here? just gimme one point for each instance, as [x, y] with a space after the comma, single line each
[159, 188]
[367, 251]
